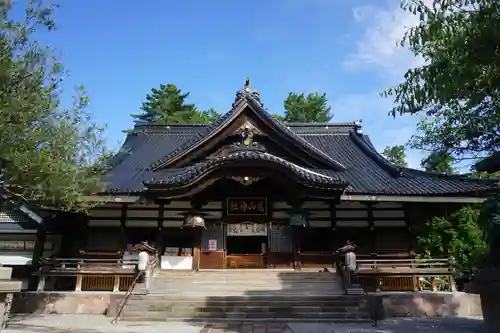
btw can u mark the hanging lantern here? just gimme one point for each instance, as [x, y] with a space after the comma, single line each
[193, 220]
[299, 220]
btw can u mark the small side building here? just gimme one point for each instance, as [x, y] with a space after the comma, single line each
[21, 229]
[490, 164]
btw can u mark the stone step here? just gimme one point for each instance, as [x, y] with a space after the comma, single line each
[247, 308]
[245, 299]
[229, 292]
[154, 316]
[167, 305]
[275, 285]
[202, 277]
[239, 320]
[242, 272]
[248, 278]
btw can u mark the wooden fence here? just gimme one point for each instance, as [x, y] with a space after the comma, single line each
[89, 274]
[405, 274]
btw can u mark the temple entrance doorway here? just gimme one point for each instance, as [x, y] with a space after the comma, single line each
[246, 245]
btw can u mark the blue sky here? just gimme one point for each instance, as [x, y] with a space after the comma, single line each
[121, 49]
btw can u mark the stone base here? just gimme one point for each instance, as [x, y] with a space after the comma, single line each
[389, 305]
[427, 304]
[61, 303]
[487, 284]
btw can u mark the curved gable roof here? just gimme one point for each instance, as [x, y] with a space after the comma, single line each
[212, 131]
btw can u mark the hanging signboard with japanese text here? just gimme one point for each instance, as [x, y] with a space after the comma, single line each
[247, 229]
[247, 206]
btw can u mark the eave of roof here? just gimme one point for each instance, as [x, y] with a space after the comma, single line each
[365, 170]
[214, 129]
[490, 164]
[189, 174]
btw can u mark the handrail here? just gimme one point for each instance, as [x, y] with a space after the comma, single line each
[78, 264]
[347, 277]
[153, 266]
[127, 295]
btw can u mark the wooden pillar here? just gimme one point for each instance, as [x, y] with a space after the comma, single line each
[333, 233]
[116, 284]
[41, 236]
[198, 232]
[41, 283]
[296, 248]
[78, 286]
[295, 203]
[372, 244]
[407, 209]
[159, 235]
[123, 224]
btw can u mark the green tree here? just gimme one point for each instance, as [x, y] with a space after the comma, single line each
[278, 116]
[204, 117]
[167, 105]
[439, 162]
[457, 88]
[54, 155]
[396, 155]
[459, 235]
[312, 108]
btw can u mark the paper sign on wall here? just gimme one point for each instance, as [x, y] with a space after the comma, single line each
[212, 245]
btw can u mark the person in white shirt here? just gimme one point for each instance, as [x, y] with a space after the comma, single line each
[143, 266]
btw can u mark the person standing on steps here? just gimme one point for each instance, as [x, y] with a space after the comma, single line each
[349, 259]
[143, 267]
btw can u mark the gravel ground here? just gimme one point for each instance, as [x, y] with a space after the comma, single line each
[101, 324]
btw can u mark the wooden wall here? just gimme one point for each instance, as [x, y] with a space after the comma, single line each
[382, 227]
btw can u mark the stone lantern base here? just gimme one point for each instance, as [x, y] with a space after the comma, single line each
[486, 283]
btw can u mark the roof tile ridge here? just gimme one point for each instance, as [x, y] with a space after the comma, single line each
[392, 169]
[462, 177]
[297, 136]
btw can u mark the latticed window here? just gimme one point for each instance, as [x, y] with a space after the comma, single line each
[280, 238]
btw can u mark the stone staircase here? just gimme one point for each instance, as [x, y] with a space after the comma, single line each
[245, 295]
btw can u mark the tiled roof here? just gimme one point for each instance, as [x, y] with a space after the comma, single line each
[349, 156]
[366, 171]
[490, 164]
[255, 106]
[313, 178]
[13, 219]
[15, 215]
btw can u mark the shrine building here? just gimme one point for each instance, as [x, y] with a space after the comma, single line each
[249, 191]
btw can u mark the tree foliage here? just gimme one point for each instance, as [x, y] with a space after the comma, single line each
[457, 88]
[439, 162]
[278, 116]
[168, 105]
[312, 108]
[55, 154]
[396, 155]
[458, 235]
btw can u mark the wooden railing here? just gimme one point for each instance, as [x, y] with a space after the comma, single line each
[405, 274]
[91, 274]
[140, 275]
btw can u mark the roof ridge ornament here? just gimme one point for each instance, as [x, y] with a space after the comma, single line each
[247, 91]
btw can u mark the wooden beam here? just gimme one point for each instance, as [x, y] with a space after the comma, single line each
[369, 208]
[345, 197]
[396, 198]
[123, 217]
[111, 198]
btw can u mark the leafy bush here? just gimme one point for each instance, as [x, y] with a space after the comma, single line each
[458, 235]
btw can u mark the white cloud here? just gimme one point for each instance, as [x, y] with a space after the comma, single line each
[382, 129]
[379, 47]
[378, 53]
